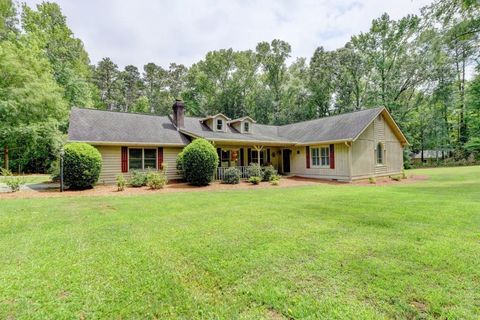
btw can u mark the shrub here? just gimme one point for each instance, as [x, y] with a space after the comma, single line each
[254, 170]
[231, 176]
[199, 162]
[396, 178]
[138, 179]
[372, 180]
[404, 174]
[179, 162]
[121, 182]
[13, 182]
[274, 180]
[54, 171]
[156, 179]
[268, 172]
[254, 180]
[82, 165]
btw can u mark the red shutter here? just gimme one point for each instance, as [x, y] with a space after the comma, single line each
[124, 159]
[308, 156]
[332, 156]
[160, 158]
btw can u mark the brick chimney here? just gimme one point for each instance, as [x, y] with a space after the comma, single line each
[178, 113]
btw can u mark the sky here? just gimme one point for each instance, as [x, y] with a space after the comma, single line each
[141, 31]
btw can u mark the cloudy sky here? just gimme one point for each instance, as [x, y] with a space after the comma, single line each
[182, 31]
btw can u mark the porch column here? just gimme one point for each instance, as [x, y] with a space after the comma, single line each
[258, 149]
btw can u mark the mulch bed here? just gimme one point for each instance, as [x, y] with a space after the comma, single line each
[111, 190]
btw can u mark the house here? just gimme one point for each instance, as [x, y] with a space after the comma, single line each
[344, 147]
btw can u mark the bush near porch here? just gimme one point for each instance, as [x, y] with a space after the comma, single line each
[198, 161]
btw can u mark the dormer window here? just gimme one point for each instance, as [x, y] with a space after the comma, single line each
[246, 126]
[219, 124]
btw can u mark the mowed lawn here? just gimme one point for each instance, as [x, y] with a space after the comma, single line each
[326, 251]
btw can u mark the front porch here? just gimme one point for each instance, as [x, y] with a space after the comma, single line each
[242, 156]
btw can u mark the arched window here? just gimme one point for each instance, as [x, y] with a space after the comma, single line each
[379, 153]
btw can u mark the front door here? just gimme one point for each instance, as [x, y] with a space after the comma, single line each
[286, 160]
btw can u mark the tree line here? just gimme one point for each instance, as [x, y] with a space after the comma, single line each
[424, 69]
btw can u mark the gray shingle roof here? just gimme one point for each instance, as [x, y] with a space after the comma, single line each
[105, 126]
[93, 125]
[259, 132]
[345, 126]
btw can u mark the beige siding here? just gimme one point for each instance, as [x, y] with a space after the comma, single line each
[341, 171]
[363, 151]
[111, 163]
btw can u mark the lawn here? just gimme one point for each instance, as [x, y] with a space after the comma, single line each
[324, 251]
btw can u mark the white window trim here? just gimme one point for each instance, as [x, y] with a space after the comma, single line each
[143, 157]
[326, 166]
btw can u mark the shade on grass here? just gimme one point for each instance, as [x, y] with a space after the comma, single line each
[323, 251]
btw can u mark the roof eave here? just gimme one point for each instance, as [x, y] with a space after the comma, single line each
[126, 143]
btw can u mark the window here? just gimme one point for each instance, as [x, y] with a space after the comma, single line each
[219, 124]
[135, 159]
[140, 159]
[321, 157]
[379, 153]
[149, 159]
[246, 126]
[255, 157]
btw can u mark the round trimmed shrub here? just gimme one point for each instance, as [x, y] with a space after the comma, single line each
[82, 164]
[268, 172]
[231, 176]
[254, 170]
[199, 162]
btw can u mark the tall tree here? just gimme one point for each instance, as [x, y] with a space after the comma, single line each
[106, 77]
[273, 57]
[67, 56]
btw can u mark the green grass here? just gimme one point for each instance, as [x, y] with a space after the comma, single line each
[326, 251]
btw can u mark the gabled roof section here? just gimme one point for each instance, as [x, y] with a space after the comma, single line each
[262, 133]
[242, 119]
[215, 116]
[111, 127]
[342, 127]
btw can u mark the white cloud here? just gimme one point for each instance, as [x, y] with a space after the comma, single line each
[141, 31]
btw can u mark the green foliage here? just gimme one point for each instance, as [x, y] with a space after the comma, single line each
[473, 146]
[274, 180]
[13, 182]
[156, 179]
[396, 178]
[121, 182]
[255, 180]
[231, 176]
[82, 165]
[372, 180]
[138, 178]
[200, 161]
[268, 172]
[254, 170]
[404, 174]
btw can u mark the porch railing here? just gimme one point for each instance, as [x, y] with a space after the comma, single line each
[221, 172]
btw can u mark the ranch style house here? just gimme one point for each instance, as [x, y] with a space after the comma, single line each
[346, 147]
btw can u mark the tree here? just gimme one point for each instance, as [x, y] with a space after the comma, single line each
[68, 58]
[320, 82]
[106, 77]
[131, 87]
[272, 57]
